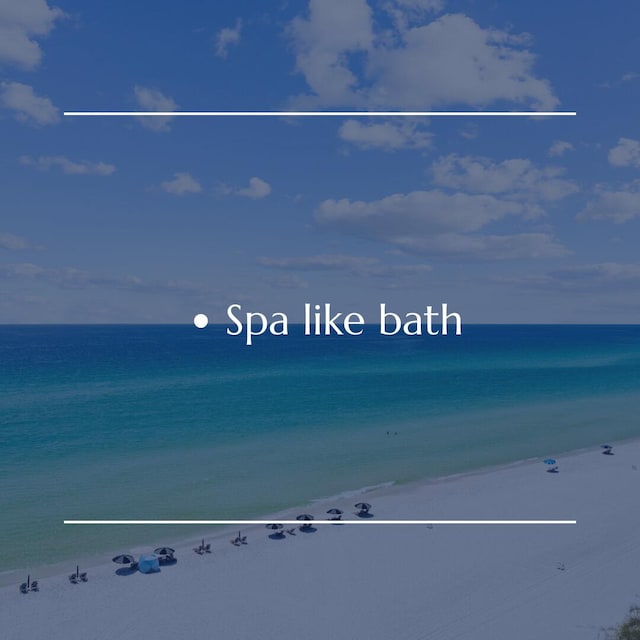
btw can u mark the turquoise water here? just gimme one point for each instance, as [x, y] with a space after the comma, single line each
[169, 422]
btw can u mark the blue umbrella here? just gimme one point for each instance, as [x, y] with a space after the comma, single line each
[550, 461]
[606, 446]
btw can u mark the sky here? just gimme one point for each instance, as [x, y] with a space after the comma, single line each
[134, 220]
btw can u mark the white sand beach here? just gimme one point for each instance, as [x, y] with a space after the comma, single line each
[382, 582]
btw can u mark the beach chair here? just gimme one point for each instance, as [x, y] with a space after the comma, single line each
[34, 585]
[24, 588]
[243, 540]
[83, 577]
[207, 548]
[291, 532]
[235, 542]
[74, 578]
[199, 550]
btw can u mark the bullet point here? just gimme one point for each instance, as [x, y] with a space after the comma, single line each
[200, 320]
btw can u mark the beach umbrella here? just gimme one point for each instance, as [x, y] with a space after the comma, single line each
[550, 461]
[164, 551]
[304, 516]
[363, 506]
[275, 527]
[606, 446]
[335, 512]
[124, 559]
[148, 563]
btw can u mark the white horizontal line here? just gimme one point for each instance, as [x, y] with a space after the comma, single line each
[318, 114]
[314, 522]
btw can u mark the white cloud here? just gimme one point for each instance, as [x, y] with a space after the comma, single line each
[479, 247]
[347, 60]
[438, 224]
[357, 265]
[632, 75]
[559, 148]
[13, 242]
[181, 184]
[387, 135]
[333, 29]
[407, 12]
[69, 166]
[227, 37]
[620, 205]
[415, 213]
[286, 281]
[517, 178]
[153, 100]
[627, 77]
[256, 190]
[73, 278]
[26, 105]
[22, 22]
[626, 153]
[604, 276]
[322, 262]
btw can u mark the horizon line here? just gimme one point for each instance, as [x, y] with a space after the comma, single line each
[322, 522]
[301, 323]
[318, 114]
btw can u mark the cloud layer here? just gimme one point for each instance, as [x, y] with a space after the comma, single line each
[348, 59]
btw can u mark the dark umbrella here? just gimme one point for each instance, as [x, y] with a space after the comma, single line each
[124, 559]
[335, 512]
[363, 506]
[164, 551]
[606, 446]
[275, 527]
[305, 516]
[550, 461]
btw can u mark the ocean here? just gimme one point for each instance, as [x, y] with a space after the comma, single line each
[171, 422]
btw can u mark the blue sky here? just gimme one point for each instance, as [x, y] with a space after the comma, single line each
[507, 220]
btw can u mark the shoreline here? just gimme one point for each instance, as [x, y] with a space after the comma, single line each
[440, 582]
[215, 533]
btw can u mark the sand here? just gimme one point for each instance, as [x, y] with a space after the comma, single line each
[386, 582]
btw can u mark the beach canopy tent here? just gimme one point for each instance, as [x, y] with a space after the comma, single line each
[149, 563]
[124, 559]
